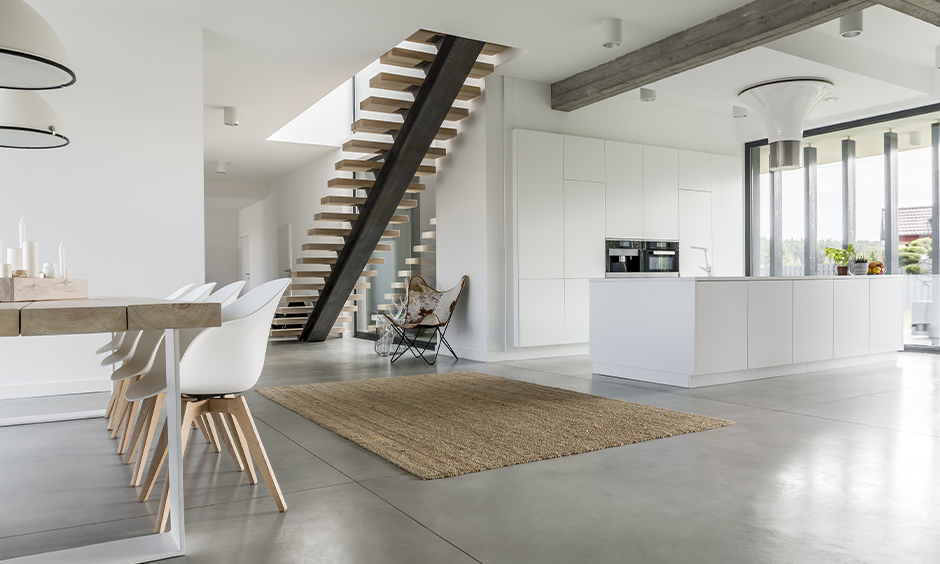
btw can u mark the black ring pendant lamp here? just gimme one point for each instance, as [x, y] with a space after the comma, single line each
[31, 58]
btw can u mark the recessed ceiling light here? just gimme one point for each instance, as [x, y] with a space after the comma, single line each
[739, 112]
[220, 167]
[647, 94]
[914, 138]
[831, 99]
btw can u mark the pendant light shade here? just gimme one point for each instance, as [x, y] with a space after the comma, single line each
[27, 121]
[31, 55]
[784, 105]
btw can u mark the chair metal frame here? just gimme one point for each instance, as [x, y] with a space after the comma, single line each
[439, 329]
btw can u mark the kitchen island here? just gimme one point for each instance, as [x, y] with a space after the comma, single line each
[692, 332]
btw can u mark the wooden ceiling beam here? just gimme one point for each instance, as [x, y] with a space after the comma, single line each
[751, 25]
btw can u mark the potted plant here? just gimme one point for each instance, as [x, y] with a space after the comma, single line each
[841, 257]
[860, 265]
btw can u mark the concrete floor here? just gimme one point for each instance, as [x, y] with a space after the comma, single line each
[828, 467]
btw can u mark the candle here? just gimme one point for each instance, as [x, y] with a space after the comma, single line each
[62, 260]
[15, 258]
[22, 232]
[31, 259]
[6, 271]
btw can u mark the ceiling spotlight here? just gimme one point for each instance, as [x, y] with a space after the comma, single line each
[647, 94]
[937, 58]
[850, 25]
[231, 116]
[914, 138]
[613, 32]
[220, 167]
[31, 55]
[739, 112]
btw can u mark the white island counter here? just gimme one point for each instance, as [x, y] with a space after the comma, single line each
[693, 332]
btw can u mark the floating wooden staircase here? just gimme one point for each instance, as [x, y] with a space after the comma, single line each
[366, 153]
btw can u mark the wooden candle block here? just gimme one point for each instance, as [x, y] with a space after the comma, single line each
[40, 289]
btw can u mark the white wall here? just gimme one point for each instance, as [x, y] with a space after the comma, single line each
[221, 246]
[126, 197]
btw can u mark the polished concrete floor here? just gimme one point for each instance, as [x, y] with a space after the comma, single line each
[829, 467]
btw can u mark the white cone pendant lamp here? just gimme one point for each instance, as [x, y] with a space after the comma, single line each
[784, 105]
[31, 55]
[27, 121]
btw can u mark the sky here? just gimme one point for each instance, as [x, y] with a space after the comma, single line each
[914, 169]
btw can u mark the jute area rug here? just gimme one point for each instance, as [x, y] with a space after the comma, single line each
[439, 425]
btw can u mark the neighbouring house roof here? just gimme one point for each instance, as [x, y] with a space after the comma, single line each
[913, 221]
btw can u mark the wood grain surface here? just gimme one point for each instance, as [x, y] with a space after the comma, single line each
[10, 319]
[173, 315]
[106, 315]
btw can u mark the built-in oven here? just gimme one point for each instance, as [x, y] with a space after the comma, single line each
[660, 258]
[624, 258]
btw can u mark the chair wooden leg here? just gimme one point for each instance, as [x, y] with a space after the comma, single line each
[118, 402]
[147, 438]
[159, 455]
[112, 400]
[132, 416]
[239, 408]
[241, 446]
[201, 424]
[122, 415]
[226, 436]
[190, 411]
[143, 417]
[209, 424]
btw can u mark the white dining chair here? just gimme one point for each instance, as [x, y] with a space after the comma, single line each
[117, 390]
[123, 412]
[219, 364]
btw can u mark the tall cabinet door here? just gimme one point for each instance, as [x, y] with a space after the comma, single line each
[728, 215]
[695, 229]
[584, 230]
[660, 194]
[540, 204]
[624, 196]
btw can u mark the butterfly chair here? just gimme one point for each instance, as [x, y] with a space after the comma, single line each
[141, 364]
[219, 364]
[425, 309]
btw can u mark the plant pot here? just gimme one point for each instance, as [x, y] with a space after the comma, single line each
[842, 270]
[860, 269]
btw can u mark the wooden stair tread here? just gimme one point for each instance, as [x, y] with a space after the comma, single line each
[399, 285]
[411, 59]
[402, 83]
[326, 273]
[381, 127]
[285, 332]
[332, 260]
[356, 201]
[431, 38]
[429, 234]
[342, 216]
[433, 221]
[392, 296]
[359, 165]
[344, 232]
[358, 183]
[425, 248]
[419, 261]
[384, 105]
[338, 247]
[359, 286]
[306, 310]
[367, 147]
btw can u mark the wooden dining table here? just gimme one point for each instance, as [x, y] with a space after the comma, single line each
[113, 315]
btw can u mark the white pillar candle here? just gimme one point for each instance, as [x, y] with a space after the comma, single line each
[31, 259]
[6, 271]
[22, 231]
[62, 260]
[15, 258]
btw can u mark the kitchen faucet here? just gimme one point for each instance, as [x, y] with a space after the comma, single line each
[708, 267]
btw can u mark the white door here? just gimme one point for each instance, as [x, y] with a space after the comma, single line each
[244, 264]
[285, 250]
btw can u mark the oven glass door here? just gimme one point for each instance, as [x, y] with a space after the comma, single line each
[661, 261]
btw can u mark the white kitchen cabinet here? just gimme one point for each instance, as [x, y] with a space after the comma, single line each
[695, 229]
[850, 304]
[540, 204]
[727, 216]
[695, 171]
[624, 190]
[584, 230]
[577, 307]
[584, 159]
[812, 320]
[769, 323]
[885, 315]
[720, 327]
[660, 194]
[541, 312]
